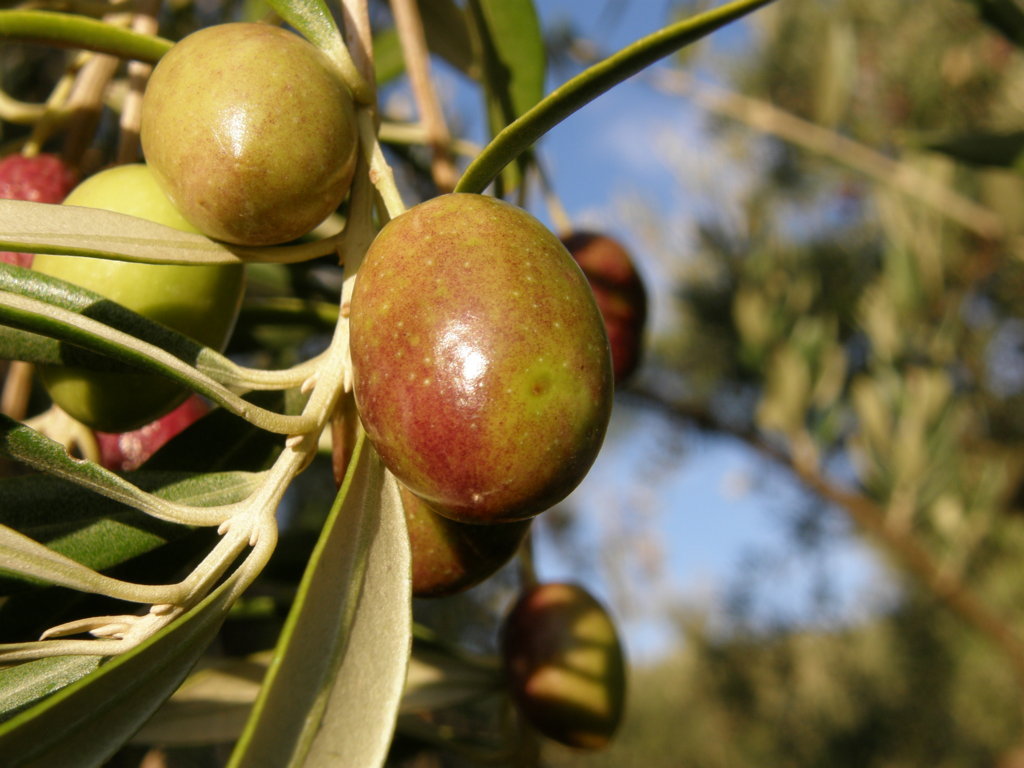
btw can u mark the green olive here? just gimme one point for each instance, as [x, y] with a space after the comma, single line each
[251, 133]
[199, 301]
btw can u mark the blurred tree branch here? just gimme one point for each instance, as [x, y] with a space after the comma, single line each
[897, 542]
[767, 118]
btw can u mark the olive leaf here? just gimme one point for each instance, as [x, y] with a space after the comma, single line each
[86, 722]
[98, 532]
[78, 231]
[23, 685]
[512, 61]
[213, 704]
[313, 20]
[333, 689]
[75, 30]
[521, 134]
[26, 445]
[19, 344]
[49, 319]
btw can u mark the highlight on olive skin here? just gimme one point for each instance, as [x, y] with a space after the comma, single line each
[482, 371]
[564, 664]
[199, 301]
[250, 132]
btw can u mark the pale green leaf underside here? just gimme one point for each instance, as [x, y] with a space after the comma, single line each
[98, 532]
[24, 684]
[333, 690]
[84, 723]
[92, 232]
[48, 319]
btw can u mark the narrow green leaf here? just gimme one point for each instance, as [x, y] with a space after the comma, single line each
[59, 293]
[211, 706]
[67, 297]
[30, 447]
[447, 32]
[514, 57]
[310, 18]
[23, 685]
[98, 532]
[77, 231]
[84, 723]
[333, 689]
[588, 85]
[513, 62]
[48, 319]
[68, 29]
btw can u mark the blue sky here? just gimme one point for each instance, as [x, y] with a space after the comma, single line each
[710, 510]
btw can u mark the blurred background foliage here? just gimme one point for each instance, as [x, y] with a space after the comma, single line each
[852, 312]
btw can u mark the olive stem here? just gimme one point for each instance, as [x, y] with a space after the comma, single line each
[144, 21]
[55, 109]
[114, 342]
[381, 175]
[413, 40]
[230, 374]
[359, 41]
[20, 112]
[415, 133]
[85, 103]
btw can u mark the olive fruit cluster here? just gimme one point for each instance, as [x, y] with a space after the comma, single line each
[564, 664]
[250, 132]
[199, 301]
[481, 366]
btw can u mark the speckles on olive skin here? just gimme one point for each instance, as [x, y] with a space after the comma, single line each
[250, 133]
[481, 366]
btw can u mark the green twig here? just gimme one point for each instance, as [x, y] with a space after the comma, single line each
[519, 135]
[72, 30]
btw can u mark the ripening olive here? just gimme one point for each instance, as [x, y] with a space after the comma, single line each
[42, 178]
[250, 131]
[564, 664]
[199, 301]
[481, 367]
[620, 294]
[449, 557]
